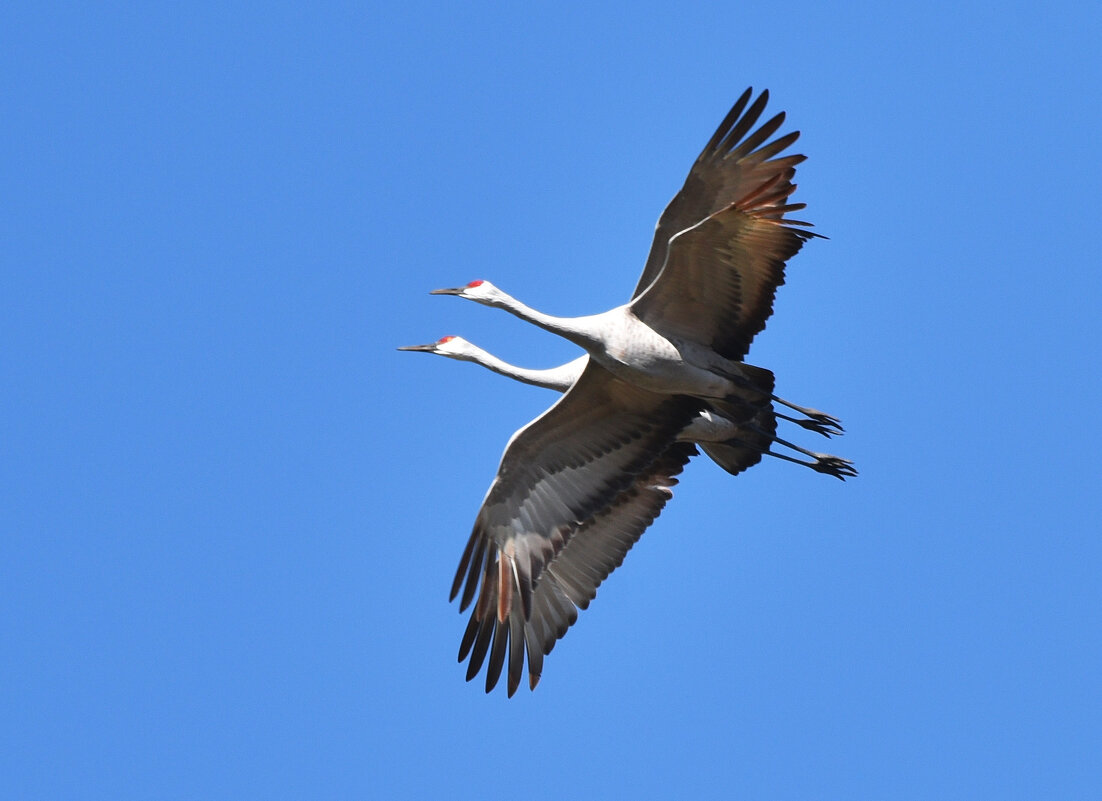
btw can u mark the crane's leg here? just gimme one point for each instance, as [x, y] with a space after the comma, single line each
[819, 422]
[820, 462]
[824, 463]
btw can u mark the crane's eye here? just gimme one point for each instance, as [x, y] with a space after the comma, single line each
[473, 284]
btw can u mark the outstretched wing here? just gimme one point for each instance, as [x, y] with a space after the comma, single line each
[733, 161]
[570, 580]
[561, 469]
[720, 276]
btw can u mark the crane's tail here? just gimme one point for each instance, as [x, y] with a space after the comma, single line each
[755, 438]
[756, 384]
[753, 394]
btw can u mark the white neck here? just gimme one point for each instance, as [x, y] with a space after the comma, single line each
[559, 378]
[576, 329]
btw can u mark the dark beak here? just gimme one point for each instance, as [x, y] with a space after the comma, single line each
[456, 291]
[428, 348]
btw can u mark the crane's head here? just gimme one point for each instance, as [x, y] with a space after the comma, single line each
[452, 347]
[479, 291]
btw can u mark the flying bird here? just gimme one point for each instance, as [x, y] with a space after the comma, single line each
[603, 457]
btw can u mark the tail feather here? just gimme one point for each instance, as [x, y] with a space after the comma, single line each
[737, 454]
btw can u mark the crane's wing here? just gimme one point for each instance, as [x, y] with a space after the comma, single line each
[733, 161]
[570, 580]
[720, 276]
[597, 548]
[567, 465]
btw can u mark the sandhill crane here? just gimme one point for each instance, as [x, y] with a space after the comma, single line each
[732, 447]
[600, 456]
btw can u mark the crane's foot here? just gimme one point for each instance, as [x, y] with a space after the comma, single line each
[833, 466]
[819, 422]
[824, 424]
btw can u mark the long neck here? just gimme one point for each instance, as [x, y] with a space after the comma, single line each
[578, 330]
[558, 378]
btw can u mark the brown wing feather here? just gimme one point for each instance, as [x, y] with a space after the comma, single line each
[728, 165]
[721, 276]
[560, 470]
[569, 581]
[557, 471]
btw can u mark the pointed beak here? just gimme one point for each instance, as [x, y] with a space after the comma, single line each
[429, 348]
[454, 291]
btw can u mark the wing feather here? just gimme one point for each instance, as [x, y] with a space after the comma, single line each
[728, 165]
[582, 561]
[556, 472]
[720, 277]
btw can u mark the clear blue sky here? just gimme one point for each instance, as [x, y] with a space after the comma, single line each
[231, 510]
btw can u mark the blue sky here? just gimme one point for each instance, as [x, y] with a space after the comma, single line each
[231, 510]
